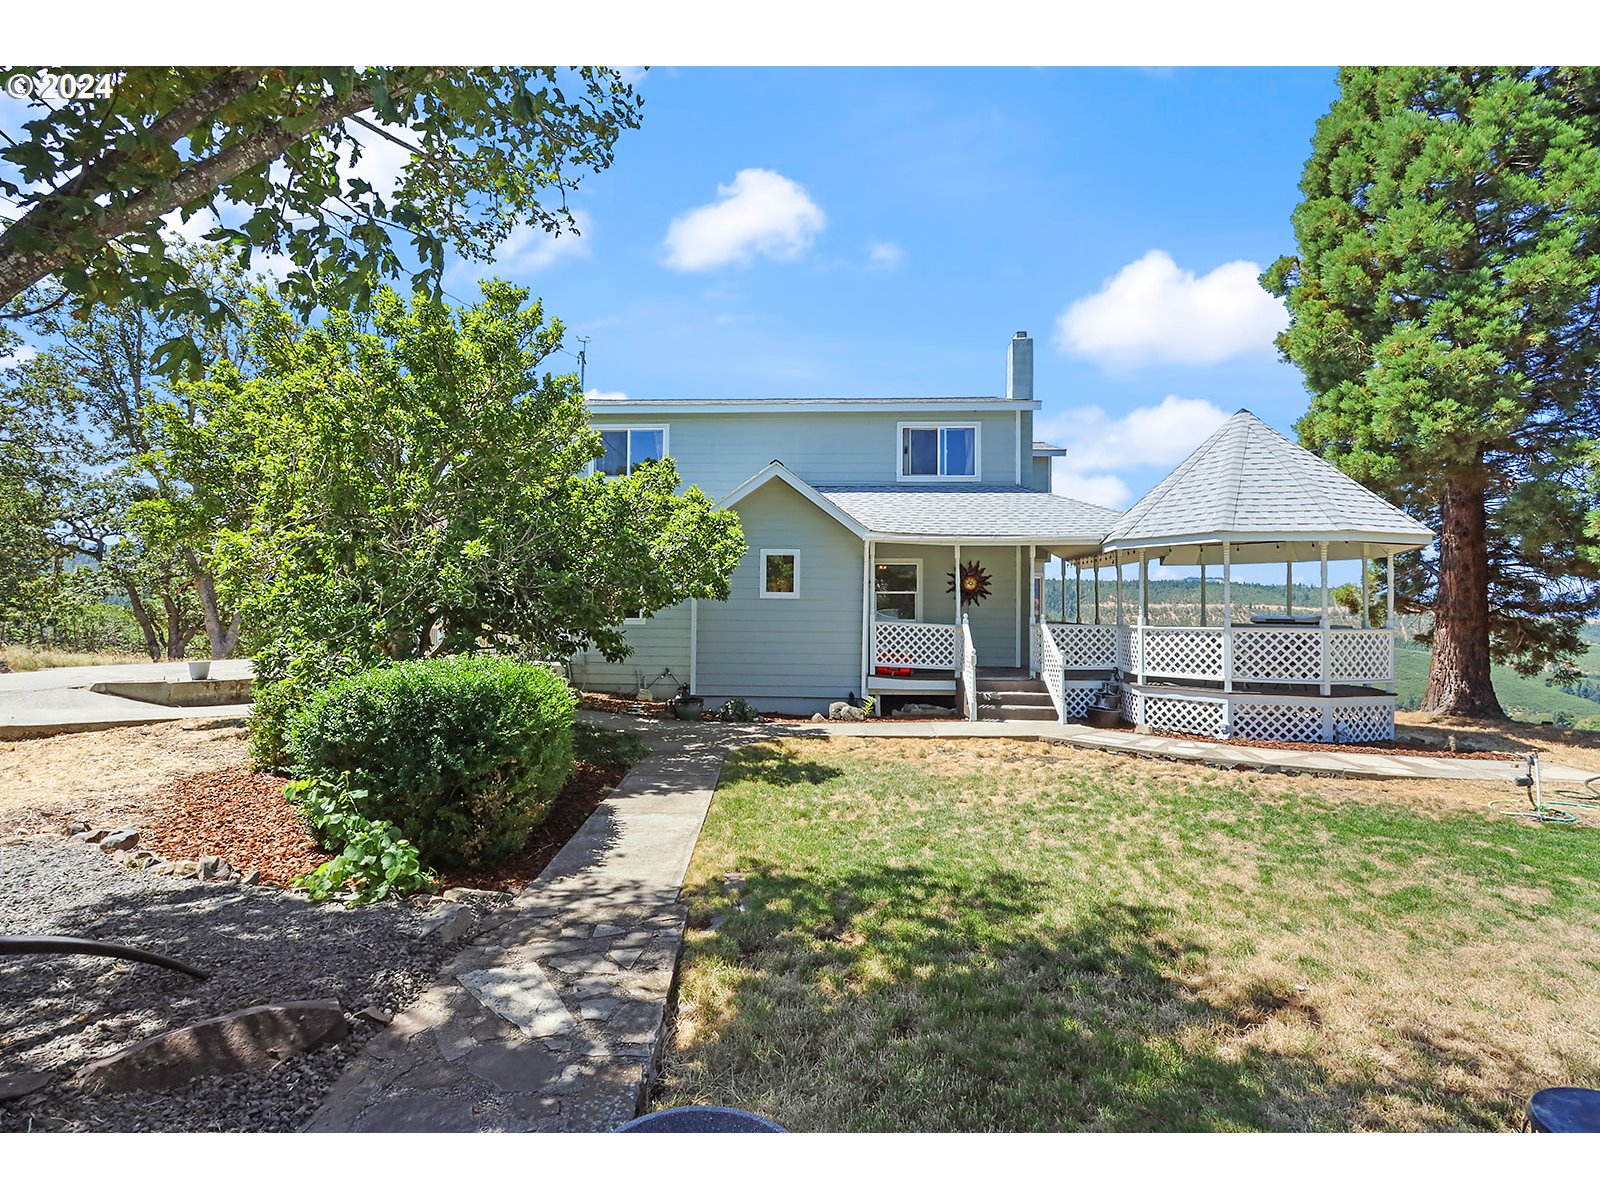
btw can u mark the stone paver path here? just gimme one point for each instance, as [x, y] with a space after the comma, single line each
[553, 1019]
[1322, 762]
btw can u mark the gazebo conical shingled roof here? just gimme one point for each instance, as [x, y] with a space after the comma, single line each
[1249, 485]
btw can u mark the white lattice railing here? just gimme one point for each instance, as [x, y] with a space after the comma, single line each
[969, 668]
[912, 644]
[1052, 669]
[1260, 654]
[1085, 647]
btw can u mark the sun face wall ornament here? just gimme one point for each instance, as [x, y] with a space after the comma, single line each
[973, 584]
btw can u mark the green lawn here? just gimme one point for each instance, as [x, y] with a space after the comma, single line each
[1000, 936]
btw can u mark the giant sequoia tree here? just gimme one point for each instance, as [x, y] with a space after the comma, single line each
[1446, 313]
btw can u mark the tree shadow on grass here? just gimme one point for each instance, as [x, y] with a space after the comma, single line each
[901, 998]
[775, 764]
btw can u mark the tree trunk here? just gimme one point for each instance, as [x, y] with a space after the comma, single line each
[1458, 681]
[177, 639]
[222, 639]
[152, 643]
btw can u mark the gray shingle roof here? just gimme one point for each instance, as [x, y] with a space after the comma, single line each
[1247, 478]
[972, 510]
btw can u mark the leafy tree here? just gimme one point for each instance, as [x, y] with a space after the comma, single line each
[24, 507]
[94, 388]
[1446, 313]
[419, 488]
[93, 177]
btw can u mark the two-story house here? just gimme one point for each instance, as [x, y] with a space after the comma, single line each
[897, 547]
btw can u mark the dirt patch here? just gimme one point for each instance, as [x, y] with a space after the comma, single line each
[1573, 747]
[108, 775]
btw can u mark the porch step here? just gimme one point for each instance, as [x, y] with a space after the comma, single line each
[1016, 712]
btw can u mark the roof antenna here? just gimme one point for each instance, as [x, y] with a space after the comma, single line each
[583, 362]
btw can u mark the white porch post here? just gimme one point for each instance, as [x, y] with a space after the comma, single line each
[1288, 585]
[1203, 620]
[1077, 592]
[1097, 592]
[868, 633]
[1119, 591]
[1024, 580]
[694, 647]
[1227, 639]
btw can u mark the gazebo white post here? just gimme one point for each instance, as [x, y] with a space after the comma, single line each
[1227, 639]
[1388, 586]
[1202, 586]
[1366, 596]
[1324, 655]
[1119, 592]
[1144, 609]
[1097, 592]
[1077, 593]
[1288, 584]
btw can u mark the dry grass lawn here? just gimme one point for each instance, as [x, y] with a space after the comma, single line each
[104, 776]
[29, 658]
[1014, 936]
[1574, 747]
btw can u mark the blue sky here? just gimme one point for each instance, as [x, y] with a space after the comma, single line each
[884, 232]
[868, 231]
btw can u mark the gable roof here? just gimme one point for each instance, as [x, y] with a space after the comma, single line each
[966, 512]
[1249, 483]
[975, 512]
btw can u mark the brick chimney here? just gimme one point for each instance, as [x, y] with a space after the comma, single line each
[1019, 367]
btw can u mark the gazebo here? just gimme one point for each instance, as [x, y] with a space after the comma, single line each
[1247, 495]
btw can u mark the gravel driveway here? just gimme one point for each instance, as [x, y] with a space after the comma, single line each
[261, 946]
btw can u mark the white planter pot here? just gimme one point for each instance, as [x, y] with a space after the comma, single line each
[200, 669]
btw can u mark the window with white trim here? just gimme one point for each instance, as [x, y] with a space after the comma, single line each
[898, 591]
[938, 452]
[780, 574]
[626, 449]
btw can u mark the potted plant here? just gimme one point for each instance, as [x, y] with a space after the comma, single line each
[686, 707]
[200, 668]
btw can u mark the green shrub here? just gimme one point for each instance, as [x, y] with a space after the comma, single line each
[738, 710]
[371, 858]
[465, 755]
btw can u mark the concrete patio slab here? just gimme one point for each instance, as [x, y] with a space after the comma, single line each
[60, 700]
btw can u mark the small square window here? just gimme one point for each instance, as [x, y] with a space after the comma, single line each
[780, 574]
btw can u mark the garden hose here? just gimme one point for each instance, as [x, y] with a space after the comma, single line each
[1552, 812]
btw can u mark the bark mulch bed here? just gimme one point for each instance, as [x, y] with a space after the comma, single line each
[241, 815]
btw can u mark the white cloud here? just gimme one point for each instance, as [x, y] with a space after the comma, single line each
[597, 394]
[1099, 445]
[1105, 490]
[382, 160]
[759, 213]
[527, 248]
[1153, 311]
[884, 256]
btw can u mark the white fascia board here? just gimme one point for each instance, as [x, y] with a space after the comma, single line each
[629, 409]
[778, 471]
[1399, 542]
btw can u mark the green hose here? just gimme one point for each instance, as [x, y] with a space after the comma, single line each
[1554, 812]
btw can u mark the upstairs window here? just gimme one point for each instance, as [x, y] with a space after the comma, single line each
[628, 449]
[938, 452]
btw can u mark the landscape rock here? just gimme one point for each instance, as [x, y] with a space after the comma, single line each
[77, 827]
[120, 839]
[212, 868]
[183, 868]
[840, 711]
[378, 1016]
[24, 1083]
[250, 1039]
[818, 717]
[85, 837]
[448, 922]
[466, 893]
[250, 877]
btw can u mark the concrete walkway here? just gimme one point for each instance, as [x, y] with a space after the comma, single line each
[58, 700]
[1219, 754]
[553, 1020]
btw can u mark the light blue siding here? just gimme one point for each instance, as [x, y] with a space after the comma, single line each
[659, 643]
[720, 451]
[786, 654]
[994, 621]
